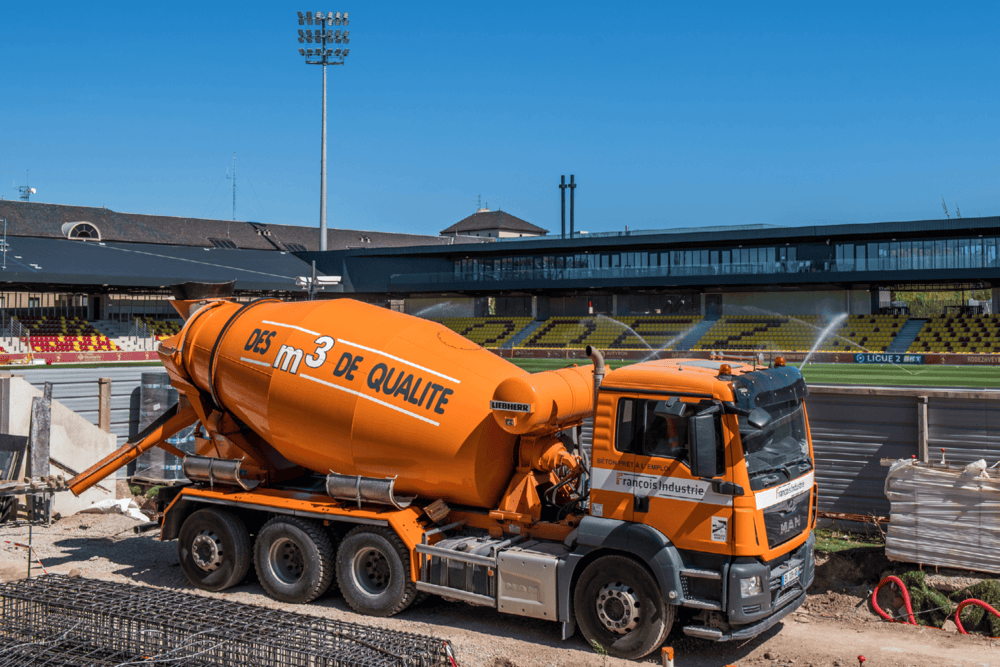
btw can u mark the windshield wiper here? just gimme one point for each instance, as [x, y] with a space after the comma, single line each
[784, 467]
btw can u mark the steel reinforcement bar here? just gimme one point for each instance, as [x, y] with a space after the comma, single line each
[57, 620]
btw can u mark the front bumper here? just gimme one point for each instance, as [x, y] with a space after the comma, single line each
[746, 631]
[787, 578]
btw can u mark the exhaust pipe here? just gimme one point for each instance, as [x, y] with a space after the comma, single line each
[598, 359]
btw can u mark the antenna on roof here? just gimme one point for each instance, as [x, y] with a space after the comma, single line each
[25, 190]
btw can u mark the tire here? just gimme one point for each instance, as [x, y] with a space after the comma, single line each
[214, 549]
[618, 605]
[373, 571]
[294, 559]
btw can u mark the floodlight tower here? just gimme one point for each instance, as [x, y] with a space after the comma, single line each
[326, 54]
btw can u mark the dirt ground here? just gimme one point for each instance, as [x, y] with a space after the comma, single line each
[830, 630]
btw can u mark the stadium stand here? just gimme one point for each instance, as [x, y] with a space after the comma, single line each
[561, 332]
[605, 333]
[162, 328]
[65, 334]
[487, 331]
[969, 334]
[872, 332]
[798, 334]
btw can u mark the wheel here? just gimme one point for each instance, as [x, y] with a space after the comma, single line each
[619, 606]
[373, 570]
[294, 559]
[214, 549]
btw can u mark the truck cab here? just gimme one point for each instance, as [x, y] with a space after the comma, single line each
[714, 461]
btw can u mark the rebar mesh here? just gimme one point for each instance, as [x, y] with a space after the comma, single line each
[60, 621]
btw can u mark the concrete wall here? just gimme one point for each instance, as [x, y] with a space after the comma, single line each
[74, 442]
[854, 302]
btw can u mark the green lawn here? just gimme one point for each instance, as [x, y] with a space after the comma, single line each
[866, 374]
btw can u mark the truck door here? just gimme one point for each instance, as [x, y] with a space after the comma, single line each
[644, 477]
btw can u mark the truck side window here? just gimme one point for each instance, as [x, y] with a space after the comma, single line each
[641, 431]
[665, 437]
[626, 431]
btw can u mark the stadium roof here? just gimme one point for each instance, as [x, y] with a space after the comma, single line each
[55, 221]
[53, 264]
[485, 219]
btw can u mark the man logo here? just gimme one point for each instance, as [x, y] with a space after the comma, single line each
[790, 525]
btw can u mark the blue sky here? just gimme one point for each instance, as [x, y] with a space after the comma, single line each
[668, 114]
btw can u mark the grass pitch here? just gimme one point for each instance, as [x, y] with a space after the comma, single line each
[859, 374]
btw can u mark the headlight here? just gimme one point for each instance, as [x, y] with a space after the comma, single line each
[750, 587]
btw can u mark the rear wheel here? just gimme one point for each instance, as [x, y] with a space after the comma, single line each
[294, 559]
[214, 549]
[373, 570]
[619, 606]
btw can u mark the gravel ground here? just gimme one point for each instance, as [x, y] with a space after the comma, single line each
[832, 628]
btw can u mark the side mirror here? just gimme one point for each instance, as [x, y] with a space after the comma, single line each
[702, 450]
[759, 418]
[670, 408]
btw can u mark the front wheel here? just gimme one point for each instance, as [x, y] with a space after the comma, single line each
[619, 607]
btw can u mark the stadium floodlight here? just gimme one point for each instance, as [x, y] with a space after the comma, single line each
[323, 56]
[346, 37]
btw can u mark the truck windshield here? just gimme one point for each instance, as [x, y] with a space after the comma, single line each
[779, 452]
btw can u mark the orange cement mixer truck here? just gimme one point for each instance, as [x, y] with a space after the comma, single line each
[342, 441]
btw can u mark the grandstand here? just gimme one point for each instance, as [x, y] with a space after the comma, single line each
[868, 333]
[161, 328]
[625, 333]
[871, 333]
[487, 331]
[64, 334]
[970, 334]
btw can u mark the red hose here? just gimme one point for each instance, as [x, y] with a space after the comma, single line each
[906, 599]
[965, 603]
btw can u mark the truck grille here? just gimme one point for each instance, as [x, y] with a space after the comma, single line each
[786, 520]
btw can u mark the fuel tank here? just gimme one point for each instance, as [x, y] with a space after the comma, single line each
[352, 388]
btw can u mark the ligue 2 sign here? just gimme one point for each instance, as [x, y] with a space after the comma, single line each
[887, 358]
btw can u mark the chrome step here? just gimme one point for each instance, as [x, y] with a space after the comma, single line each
[703, 632]
[703, 604]
[701, 574]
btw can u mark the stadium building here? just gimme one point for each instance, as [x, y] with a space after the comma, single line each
[747, 287]
[91, 280]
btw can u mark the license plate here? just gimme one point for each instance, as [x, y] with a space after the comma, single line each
[791, 576]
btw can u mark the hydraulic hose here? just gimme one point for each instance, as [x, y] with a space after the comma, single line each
[906, 599]
[978, 603]
[909, 609]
